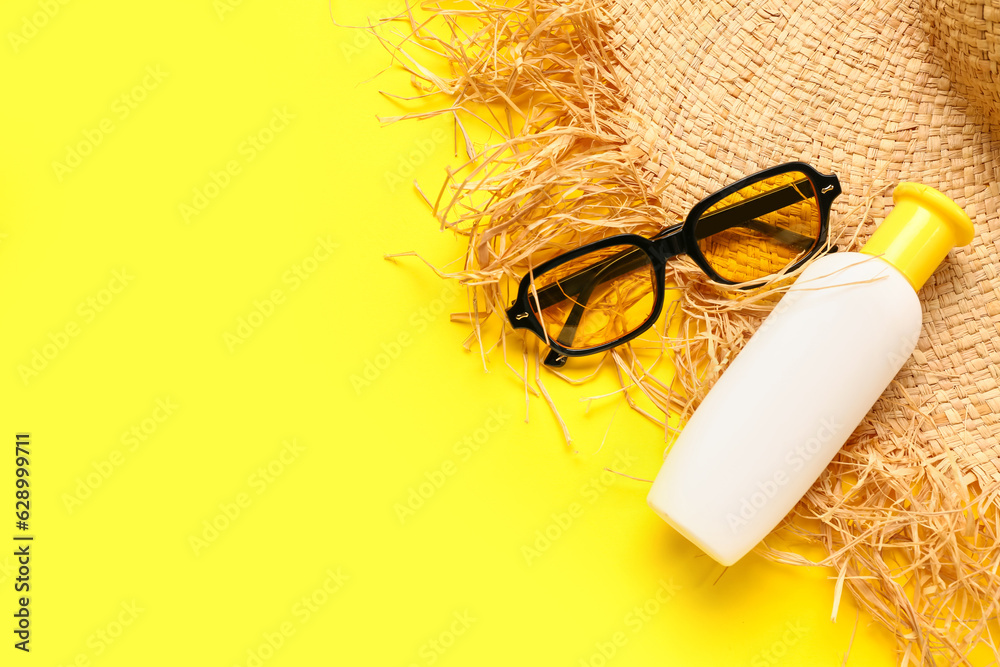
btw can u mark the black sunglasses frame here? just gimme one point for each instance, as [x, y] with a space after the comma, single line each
[669, 243]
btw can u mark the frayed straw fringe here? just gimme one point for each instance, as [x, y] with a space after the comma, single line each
[910, 535]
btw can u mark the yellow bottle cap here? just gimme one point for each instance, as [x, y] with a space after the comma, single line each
[919, 231]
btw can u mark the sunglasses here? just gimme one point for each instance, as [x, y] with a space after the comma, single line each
[608, 292]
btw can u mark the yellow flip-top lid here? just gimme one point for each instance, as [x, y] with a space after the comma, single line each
[919, 231]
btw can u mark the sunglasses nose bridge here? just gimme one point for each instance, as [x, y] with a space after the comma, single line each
[670, 243]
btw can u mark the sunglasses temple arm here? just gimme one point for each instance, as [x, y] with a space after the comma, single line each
[576, 283]
[746, 212]
[786, 236]
[568, 332]
[611, 268]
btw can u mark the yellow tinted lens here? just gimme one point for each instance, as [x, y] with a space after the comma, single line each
[596, 298]
[759, 230]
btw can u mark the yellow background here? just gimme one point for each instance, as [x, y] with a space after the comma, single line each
[311, 563]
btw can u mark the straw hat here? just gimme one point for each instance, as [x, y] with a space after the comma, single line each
[640, 108]
[725, 88]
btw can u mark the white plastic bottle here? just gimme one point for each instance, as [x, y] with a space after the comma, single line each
[805, 380]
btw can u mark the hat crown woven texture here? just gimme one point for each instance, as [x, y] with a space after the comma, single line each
[966, 36]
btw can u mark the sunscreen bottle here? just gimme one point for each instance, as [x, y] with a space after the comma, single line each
[805, 380]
